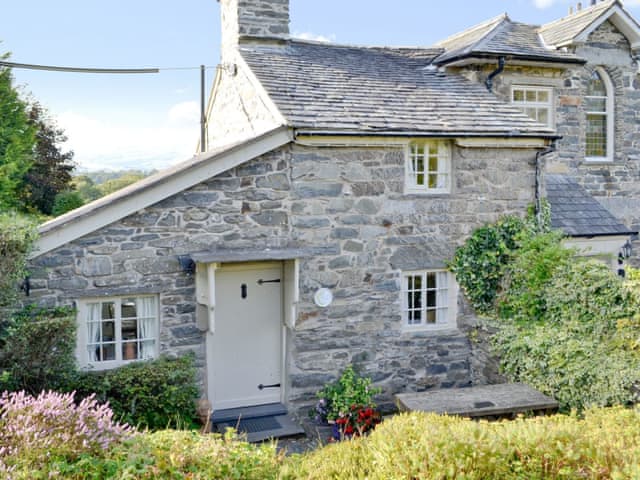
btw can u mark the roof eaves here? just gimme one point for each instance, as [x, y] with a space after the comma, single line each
[555, 59]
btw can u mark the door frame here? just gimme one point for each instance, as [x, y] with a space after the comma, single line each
[209, 272]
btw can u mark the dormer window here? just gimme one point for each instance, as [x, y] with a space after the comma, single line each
[428, 167]
[598, 105]
[536, 102]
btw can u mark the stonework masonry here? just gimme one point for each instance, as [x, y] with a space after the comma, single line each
[615, 184]
[348, 204]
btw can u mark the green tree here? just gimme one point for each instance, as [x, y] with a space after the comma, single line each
[86, 188]
[17, 234]
[17, 142]
[119, 183]
[50, 172]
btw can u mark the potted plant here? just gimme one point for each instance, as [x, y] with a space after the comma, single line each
[348, 405]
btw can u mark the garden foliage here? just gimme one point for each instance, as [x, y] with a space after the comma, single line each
[35, 431]
[480, 263]
[37, 349]
[17, 234]
[154, 394]
[566, 325]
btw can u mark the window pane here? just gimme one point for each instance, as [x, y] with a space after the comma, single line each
[595, 104]
[531, 96]
[431, 280]
[130, 351]
[433, 181]
[596, 140]
[518, 95]
[129, 329]
[108, 352]
[431, 316]
[433, 150]
[108, 331]
[595, 86]
[433, 164]
[431, 299]
[108, 310]
[128, 308]
[543, 116]
[543, 96]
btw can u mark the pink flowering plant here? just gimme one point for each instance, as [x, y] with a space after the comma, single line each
[34, 430]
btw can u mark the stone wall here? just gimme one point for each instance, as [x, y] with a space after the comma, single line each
[348, 204]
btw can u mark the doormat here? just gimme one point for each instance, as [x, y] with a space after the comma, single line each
[251, 425]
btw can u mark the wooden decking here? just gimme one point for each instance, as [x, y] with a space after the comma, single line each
[493, 401]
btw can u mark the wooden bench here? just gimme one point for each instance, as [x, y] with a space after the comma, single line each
[485, 401]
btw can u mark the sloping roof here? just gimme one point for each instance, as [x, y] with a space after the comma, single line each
[153, 189]
[577, 26]
[577, 213]
[502, 37]
[355, 90]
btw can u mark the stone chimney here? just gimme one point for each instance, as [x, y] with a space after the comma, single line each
[252, 18]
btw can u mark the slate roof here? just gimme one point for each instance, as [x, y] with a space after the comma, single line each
[566, 29]
[346, 89]
[577, 213]
[502, 37]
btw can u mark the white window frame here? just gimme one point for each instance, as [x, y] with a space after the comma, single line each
[445, 313]
[416, 181]
[537, 105]
[83, 341]
[609, 114]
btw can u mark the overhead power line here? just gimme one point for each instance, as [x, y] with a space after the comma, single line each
[52, 68]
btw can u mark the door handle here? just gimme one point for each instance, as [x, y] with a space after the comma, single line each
[262, 387]
[261, 281]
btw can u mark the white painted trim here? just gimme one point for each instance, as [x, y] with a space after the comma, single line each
[622, 21]
[551, 123]
[114, 207]
[611, 120]
[391, 141]
[525, 143]
[452, 304]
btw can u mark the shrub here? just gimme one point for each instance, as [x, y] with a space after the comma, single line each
[178, 455]
[17, 234]
[65, 202]
[479, 264]
[604, 444]
[35, 430]
[37, 349]
[526, 276]
[154, 394]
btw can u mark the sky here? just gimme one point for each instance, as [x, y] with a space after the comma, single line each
[151, 121]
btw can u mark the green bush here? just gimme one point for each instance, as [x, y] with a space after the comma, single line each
[174, 455]
[17, 235]
[604, 444]
[154, 394]
[37, 349]
[479, 264]
[527, 275]
[65, 202]
[586, 351]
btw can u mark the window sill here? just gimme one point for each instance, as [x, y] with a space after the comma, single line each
[110, 365]
[427, 192]
[437, 329]
[598, 160]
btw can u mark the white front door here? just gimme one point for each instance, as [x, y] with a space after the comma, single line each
[247, 339]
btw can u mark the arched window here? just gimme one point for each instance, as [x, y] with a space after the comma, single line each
[599, 111]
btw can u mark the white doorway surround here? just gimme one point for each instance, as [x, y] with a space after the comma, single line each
[241, 305]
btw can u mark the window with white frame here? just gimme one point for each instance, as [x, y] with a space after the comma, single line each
[535, 102]
[598, 106]
[428, 168]
[427, 298]
[114, 331]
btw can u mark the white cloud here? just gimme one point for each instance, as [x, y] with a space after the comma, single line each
[103, 143]
[544, 3]
[314, 37]
[184, 113]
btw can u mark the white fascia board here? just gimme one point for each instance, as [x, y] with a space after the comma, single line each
[621, 19]
[373, 141]
[90, 218]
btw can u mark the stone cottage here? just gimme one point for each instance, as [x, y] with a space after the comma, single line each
[338, 180]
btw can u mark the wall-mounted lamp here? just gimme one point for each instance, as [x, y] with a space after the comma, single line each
[626, 249]
[187, 264]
